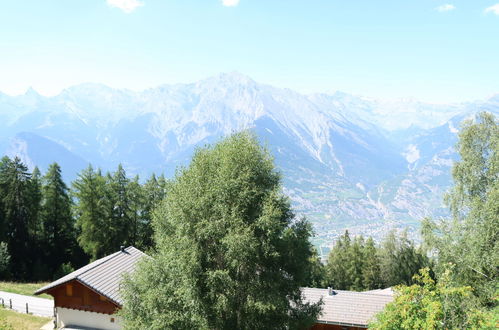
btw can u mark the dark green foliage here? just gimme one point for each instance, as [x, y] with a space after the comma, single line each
[371, 272]
[4, 259]
[63, 270]
[361, 266]
[337, 265]
[119, 219]
[230, 254]
[355, 264]
[317, 274]
[153, 192]
[400, 259]
[45, 233]
[90, 211]
[58, 240]
[19, 201]
[114, 210]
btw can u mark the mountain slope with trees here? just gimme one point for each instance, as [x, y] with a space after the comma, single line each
[348, 161]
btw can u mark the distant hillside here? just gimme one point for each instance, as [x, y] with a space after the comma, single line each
[347, 161]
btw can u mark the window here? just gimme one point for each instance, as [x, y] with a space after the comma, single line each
[69, 290]
[86, 297]
[112, 320]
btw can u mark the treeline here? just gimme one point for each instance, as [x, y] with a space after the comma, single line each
[48, 228]
[358, 264]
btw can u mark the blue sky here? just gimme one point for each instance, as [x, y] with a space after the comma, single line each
[437, 51]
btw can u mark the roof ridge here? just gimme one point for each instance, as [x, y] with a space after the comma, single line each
[106, 258]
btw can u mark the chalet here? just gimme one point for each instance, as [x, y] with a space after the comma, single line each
[347, 310]
[89, 296]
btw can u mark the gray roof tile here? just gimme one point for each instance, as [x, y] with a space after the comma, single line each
[348, 307]
[103, 275]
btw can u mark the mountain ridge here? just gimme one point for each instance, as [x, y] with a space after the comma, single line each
[347, 161]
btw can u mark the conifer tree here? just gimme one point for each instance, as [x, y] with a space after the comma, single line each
[135, 206]
[400, 260]
[371, 272]
[90, 209]
[153, 192]
[356, 264]
[337, 273]
[36, 193]
[58, 235]
[18, 201]
[119, 221]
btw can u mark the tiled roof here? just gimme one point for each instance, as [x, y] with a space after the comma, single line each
[348, 307]
[103, 275]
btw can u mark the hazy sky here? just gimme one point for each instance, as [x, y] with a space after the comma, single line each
[432, 50]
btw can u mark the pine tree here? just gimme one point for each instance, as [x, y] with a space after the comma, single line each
[371, 272]
[57, 222]
[400, 260]
[355, 264]
[36, 197]
[90, 209]
[118, 220]
[337, 272]
[153, 192]
[136, 210]
[19, 220]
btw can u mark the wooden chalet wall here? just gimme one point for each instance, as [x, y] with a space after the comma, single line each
[75, 295]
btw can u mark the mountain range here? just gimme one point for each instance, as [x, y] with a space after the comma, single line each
[347, 161]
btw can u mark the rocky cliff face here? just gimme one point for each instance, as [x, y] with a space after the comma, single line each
[347, 161]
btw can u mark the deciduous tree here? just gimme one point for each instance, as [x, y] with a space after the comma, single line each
[470, 240]
[231, 255]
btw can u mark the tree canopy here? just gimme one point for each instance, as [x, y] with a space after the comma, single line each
[428, 304]
[470, 241]
[356, 264]
[230, 253]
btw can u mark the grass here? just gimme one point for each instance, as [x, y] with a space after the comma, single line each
[24, 288]
[21, 321]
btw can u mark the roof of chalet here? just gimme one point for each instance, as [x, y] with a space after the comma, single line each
[348, 308]
[103, 275]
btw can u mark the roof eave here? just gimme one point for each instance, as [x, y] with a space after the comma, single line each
[348, 324]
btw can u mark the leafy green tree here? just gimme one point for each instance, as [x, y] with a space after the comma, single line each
[58, 233]
[90, 210]
[433, 305]
[470, 240]
[230, 254]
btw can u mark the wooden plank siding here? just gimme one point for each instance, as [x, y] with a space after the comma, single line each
[77, 296]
